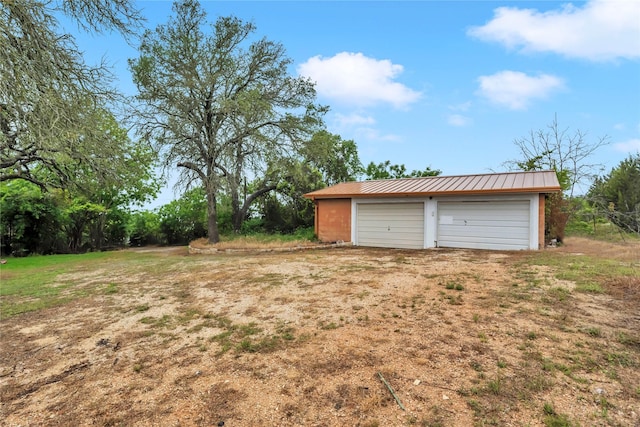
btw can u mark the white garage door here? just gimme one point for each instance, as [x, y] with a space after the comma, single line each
[502, 225]
[390, 225]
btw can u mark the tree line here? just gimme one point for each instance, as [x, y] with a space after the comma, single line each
[611, 198]
[35, 220]
[215, 104]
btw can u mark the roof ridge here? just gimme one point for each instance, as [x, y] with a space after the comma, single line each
[450, 176]
[485, 183]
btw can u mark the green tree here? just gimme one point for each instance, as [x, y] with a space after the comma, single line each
[95, 208]
[335, 158]
[89, 215]
[78, 213]
[30, 220]
[131, 182]
[144, 228]
[184, 220]
[221, 108]
[51, 101]
[617, 195]
[92, 212]
[385, 170]
[286, 209]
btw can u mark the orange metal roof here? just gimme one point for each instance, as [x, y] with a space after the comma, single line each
[509, 182]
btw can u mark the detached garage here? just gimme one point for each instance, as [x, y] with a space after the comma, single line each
[502, 211]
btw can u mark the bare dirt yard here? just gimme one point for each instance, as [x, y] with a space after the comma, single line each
[305, 338]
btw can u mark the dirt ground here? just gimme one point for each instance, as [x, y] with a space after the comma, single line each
[306, 338]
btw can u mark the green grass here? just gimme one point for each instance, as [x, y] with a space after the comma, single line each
[142, 308]
[588, 273]
[331, 325]
[32, 283]
[604, 231]
[166, 321]
[29, 275]
[40, 282]
[249, 337]
[558, 293]
[557, 420]
[112, 288]
[301, 235]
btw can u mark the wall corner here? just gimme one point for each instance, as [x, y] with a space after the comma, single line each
[541, 220]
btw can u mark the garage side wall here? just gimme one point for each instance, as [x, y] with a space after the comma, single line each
[333, 220]
[541, 219]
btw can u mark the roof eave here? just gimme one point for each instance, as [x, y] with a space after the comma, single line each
[538, 190]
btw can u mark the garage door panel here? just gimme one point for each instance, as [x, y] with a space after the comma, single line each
[481, 231]
[391, 217]
[382, 222]
[484, 225]
[492, 229]
[397, 225]
[397, 243]
[391, 225]
[470, 224]
[500, 245]
[479, 208]
[501, 235]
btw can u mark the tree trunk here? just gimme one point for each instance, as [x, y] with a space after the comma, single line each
[240, 213]
[212, 218]
[237, 216]
[97, 231]
[235, 182]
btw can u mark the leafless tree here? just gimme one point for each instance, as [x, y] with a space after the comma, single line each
[568, 153]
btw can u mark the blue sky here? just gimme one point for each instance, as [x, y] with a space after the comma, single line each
[446, 84]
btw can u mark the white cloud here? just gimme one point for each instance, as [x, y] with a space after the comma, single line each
[630, 146]
[516, 90]
[458, 120]
[353, 119]
[373, 135]
[354, 79]
[461, 107]
[619, 126]
[359, 127]
[600, 30]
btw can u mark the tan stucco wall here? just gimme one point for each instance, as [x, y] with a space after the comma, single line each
[333, 220]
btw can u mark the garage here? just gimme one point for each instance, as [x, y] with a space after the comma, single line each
[488, 224]
[390, 225]
[498, 211]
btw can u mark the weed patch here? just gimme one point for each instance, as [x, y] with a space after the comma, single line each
[166, 321]
[249, 337]
[593, 274]
[553, 419]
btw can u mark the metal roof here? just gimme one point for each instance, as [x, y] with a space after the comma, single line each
[508, 182]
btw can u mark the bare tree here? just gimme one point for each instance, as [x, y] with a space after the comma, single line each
[555, 148]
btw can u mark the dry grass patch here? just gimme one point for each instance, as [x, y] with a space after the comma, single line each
[251, 242]
[625, 289]
[467, 338]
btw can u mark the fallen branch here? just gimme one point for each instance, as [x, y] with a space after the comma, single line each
[54, 379]
[391, 391]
